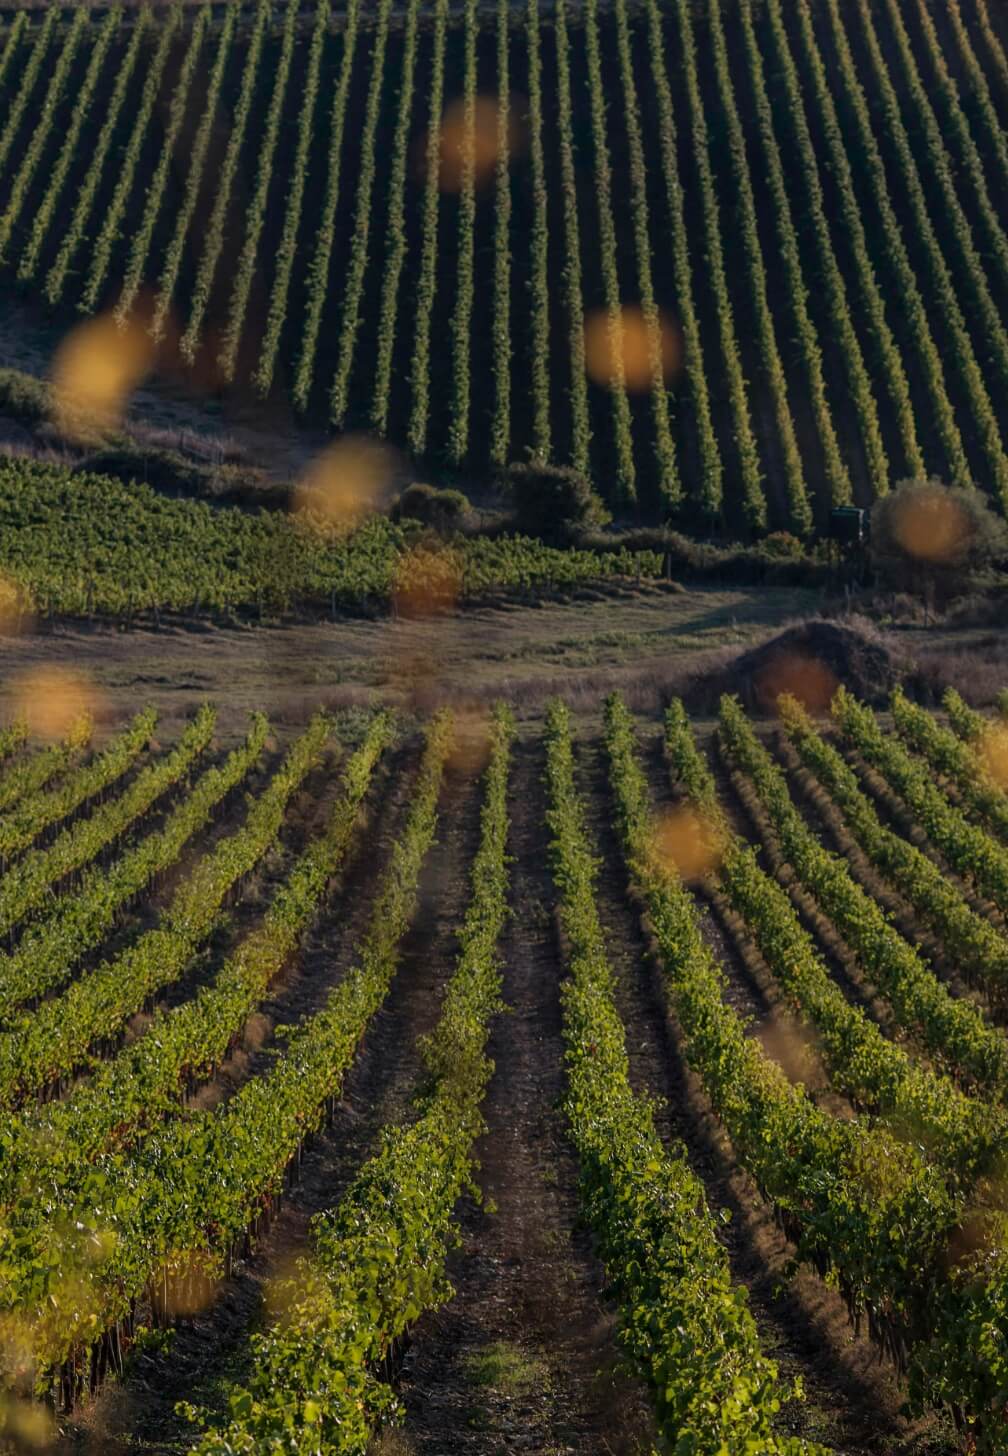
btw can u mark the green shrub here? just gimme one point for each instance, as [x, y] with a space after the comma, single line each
[553, 501]
[783, 546]
[442, 510]
[935, 541]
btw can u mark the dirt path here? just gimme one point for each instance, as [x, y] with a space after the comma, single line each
[522, 1359]
[852, 1402]
[138, 1416]
[639, 642]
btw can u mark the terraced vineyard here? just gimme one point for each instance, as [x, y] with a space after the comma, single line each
[254, 1066]
[778, 227]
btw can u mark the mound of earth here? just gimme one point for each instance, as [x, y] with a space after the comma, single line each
[809, 661]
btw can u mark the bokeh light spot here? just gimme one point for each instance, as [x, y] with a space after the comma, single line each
[192, 1285]
[16, 613]
[932, 526]
[486, 141]
[347, 481]
[52, 701]
[632, 345]
[687, 843]
[470, 750]
[801, 676]
[25, 1425]
[993, 753]
[427, 583]
[95, 370]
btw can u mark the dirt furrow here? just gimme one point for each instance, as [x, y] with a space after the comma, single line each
[522, 1358]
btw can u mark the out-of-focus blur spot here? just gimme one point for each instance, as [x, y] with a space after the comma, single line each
[95, 370]
[257, 1029]
[25, 1425]
[470, 751]
[790, 1046]
[686, 843]
[972, 1237]
[52, 701]
[16, 614]
[486, 141]
[427, 583]
[346, 482]
[293, 1281]
[630, 343]
[993, 752]
[801, 676]
[932, 526]
[191, 1285]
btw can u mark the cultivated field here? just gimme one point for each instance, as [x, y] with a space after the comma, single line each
[475, 978]
[272, 1007]
[739, 260]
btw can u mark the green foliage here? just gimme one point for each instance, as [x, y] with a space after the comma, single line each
[799, 507]
[32, 772]
[710, 484]
[53, 1146]
[255, 212]
[339, 398]
[956, 342]
[287, 247]
[378, 1258]
[194, 176]
[539, 289]
[427, 280]
[500, 427]
[965, 1137]
[625, 483]
[935, 539]
[33, 813]
[190, 1190]
[79, 919]
[353, 283]
[27, 78]
[12, 39]
[112, 225]
[979, 948]
[46, 209]
[870, 293]
[396, 240]
[43, 118]
[72, 237]
[861, 1206]
[953, 1030]
[140, 245]
[49, 1042]
[465, 279]
[668, 472]
[552, 501]
[974, 852]
[753, 499]
[443, 510]
[947, 176]
[684, 1322]
[213, 241]
[83, 544]
[828, 274]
